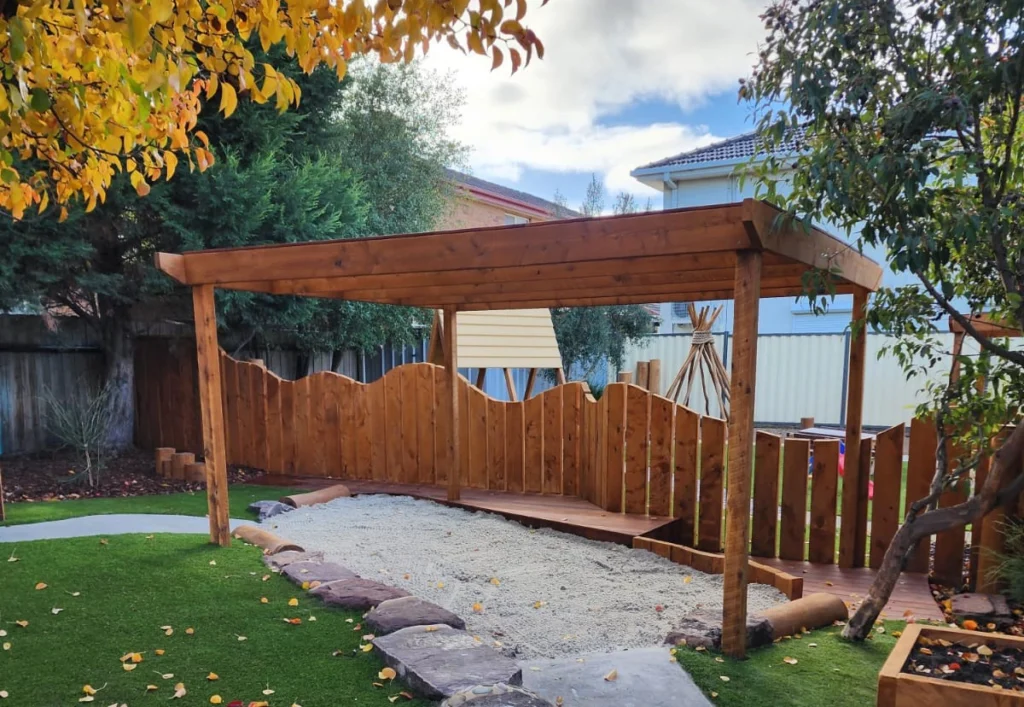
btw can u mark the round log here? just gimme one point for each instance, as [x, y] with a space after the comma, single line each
[178, 463]
[271, 544]
[320, 496]
[811, 611]
[163, 460]
[196, 472]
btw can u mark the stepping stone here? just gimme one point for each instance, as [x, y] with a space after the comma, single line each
[703, 627]
[395, 614]
[269, 509]
[283, 559]
[983, 608]
[499, 695]
[440, 661]
[321, 572]
[355, 593]
[645, 678]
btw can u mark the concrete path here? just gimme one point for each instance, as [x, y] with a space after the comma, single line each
[646, 678]
[115, 524]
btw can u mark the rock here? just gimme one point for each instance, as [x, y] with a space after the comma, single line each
[500, 695]
[983, 608]
[395, 614]
[283, 559]
[703, 627]
[356, 594]
[319, 572]
[440, 661]
[269, 509]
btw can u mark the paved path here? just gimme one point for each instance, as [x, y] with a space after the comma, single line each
[115, 524]
[646, 678]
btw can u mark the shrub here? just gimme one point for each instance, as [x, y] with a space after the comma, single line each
[1010, 569]
[82, 421]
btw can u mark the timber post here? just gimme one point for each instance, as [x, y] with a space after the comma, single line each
[853, 532]
[211, 407]
[451, 367]
[747, 289]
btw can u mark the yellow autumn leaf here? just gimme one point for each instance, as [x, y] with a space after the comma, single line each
[789, 660]
[264, 600]
[305, 588]
[495, 581]
[89, 689]
[179, 691]
[215, 700]
[387, 674]
[22, 623]
[366, 647]
[168, 631]
[612, 676]
[228, 99]
[213, 676]
[478, 607]
[7, 646]
[151, 688]
[190, 631]
[41, 585]
[293, 602]
[128, 667]
[687, 579]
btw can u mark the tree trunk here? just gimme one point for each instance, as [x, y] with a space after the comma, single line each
[997, 489]
[119, 375]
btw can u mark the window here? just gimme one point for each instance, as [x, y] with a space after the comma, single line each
[513, 220]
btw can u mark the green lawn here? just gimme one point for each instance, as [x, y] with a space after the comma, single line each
[829, 671]
[115, 596]
[188, 503]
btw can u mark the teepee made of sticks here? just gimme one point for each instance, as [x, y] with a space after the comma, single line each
[704, 363]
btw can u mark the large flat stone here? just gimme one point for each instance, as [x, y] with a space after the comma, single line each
[356, 594]
[645, 678]
[983, 608]
[283, 559]
[395, 614]
[317, 572]
[500, 695]
[703, 627]
[440, 661]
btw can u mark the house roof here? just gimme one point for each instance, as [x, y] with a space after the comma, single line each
[507, 194]
[736, 148]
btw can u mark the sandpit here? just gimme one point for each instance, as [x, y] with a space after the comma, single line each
[539, 593]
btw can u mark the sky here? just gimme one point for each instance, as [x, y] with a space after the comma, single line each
[622, 83]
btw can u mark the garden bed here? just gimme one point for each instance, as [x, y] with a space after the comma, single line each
[953, 667]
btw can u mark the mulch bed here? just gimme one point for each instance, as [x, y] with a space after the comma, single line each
[973, 663]
[47, 477]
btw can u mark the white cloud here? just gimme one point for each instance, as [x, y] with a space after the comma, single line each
[602, 56]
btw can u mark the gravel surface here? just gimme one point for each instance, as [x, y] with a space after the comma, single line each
[538, 593]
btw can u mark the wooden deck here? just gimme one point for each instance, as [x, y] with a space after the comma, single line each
[565, 513]
[579, 517]
[911, 593]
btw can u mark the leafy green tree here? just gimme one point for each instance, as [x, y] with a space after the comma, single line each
[910, 116]
[278, 178]
[590, 337]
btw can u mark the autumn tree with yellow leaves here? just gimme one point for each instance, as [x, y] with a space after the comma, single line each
[92, 88]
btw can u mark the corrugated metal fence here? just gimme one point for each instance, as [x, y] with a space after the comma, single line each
[803, 375]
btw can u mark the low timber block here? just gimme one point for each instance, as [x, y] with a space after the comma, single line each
[195, 472]
[178, 463]
[313, 497]
[163, 460]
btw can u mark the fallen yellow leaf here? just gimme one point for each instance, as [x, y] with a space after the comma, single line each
[41, 585]
[365, 647]
[440, 585]
[159, 651]
[723, 678]
[22, 623]
[190, 631]
[293, 602]
[266, 577]
[215, 700]
[538, 604]
[268, 691]
[478, 607]
[168, 631]
[612, 676]
[264, 600]
[393, 699]
[7, 646]
[213, 676]
[151, 688]
[89, 689]
[128, 667]
[387, 674]
[179, 691]
[305, 588]
[687, 579]
[495, 581]
[87, 698]
[789, 660]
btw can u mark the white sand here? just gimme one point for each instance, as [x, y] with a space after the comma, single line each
[596, 596]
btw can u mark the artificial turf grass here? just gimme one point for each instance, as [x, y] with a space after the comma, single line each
[189, 503]
[833, 672]
[130, 586]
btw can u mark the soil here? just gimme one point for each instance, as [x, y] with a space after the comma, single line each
[975, 663]
[57, 476]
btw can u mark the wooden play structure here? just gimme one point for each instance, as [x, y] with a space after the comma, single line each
[505, 339]
[620, 451]
[702, 363]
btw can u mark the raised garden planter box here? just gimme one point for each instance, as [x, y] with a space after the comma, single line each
[899, 689]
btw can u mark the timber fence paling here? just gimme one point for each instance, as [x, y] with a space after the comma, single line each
[631, 451]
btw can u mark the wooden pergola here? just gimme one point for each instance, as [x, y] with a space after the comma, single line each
[740, 251]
